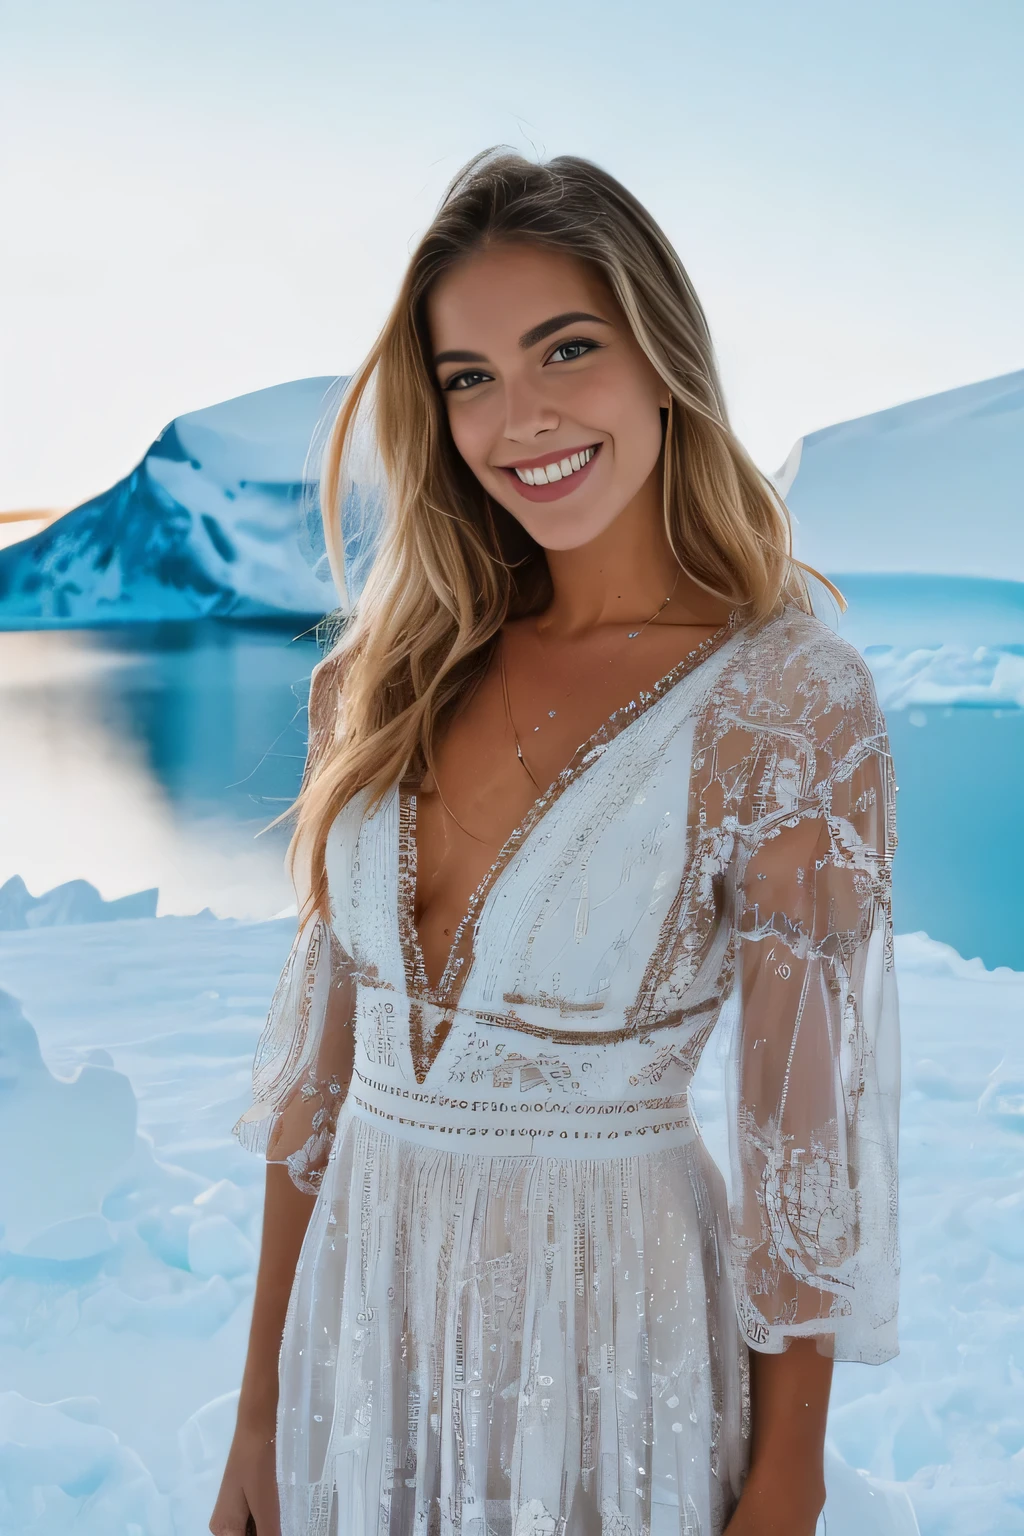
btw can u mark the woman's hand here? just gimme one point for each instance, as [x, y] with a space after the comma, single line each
[248, 1490]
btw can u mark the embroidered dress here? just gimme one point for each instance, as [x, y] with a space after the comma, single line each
[526, 1295]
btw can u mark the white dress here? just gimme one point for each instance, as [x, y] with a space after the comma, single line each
[526, 1294]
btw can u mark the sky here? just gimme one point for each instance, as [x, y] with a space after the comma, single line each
[205, 197]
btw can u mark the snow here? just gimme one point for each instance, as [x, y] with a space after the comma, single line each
[133, 1224]
[212, 520]
[930, 487]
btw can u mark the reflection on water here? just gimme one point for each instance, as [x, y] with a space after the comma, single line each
[154, 755]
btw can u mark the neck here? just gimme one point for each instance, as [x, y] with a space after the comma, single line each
[624, 576]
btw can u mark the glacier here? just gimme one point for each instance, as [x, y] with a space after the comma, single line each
[212, 522]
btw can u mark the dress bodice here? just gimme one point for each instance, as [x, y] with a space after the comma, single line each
[551, 979]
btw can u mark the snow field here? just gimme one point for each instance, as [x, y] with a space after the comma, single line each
[131, 1227]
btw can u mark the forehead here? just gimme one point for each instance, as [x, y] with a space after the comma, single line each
[496, 294]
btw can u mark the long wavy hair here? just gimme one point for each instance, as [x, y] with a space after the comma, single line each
[451, 564]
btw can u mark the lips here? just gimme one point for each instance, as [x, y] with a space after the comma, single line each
[560, 488]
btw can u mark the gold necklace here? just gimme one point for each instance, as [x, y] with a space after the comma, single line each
[632, 635]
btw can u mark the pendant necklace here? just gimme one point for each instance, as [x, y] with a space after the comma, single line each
[632, 635]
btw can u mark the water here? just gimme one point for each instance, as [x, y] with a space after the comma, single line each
[957, 871]
[157, 755]
[154, 755]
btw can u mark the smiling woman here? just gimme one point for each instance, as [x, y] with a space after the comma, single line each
[587, 781]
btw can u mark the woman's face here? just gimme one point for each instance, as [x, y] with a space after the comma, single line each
[540, 373]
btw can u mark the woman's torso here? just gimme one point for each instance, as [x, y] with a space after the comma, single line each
[556, 695]
[573, 979]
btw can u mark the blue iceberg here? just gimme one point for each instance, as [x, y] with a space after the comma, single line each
[213, 522]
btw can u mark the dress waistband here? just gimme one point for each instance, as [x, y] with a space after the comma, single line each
[500, 1125]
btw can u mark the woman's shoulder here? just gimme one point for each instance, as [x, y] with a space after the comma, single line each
[795, 668]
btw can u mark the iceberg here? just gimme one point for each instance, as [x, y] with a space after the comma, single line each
[76, 901]
[914, 513]
[212, 522]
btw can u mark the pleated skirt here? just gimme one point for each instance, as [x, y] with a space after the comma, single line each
[511, 1345]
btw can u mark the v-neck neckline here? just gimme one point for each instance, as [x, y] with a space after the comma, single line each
[460, 954]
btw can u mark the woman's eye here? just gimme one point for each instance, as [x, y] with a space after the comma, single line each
[457, 381]
[577, 342]
[578, 347]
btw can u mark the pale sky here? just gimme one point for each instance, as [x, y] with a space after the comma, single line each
[204, 197]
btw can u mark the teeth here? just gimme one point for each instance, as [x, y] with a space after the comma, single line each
[548, 474]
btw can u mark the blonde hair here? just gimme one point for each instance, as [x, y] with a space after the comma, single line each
[451, 563]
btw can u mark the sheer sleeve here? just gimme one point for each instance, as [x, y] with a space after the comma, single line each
[813, 1054]
[303, 1061]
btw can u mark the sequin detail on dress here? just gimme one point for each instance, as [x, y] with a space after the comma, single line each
[527, 1293]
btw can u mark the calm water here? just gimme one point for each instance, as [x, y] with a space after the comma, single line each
[157, 755]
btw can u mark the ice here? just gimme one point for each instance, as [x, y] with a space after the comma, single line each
[211, 521]
[914, 513]
[62, 1142]
[136, 1298]
[947, 674]
[929, 488]
[59, 1469]
[217, 1247]
[74, 902]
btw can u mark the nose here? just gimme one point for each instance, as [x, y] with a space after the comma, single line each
[528, 412]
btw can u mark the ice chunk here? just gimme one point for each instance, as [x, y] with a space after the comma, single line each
[62, 1472]
[62, 1141]
[216, 1247]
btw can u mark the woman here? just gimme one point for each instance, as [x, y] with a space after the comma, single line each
[587, 780]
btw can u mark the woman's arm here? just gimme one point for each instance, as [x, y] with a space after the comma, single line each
[286, 1213]
[798, 774]
[785, 1488]
[296, 1148]
[249, 1485]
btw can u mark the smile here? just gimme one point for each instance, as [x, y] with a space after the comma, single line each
[556, 478]
[558, 469]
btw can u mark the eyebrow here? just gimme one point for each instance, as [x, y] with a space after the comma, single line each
[528, 339]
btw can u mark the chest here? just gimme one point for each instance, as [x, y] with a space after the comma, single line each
[565, 920]
[517, 738]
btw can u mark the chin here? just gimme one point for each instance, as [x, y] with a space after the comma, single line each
[556, 530]
[573, 533]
